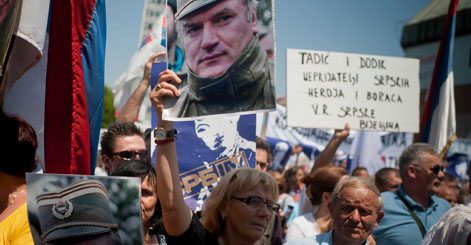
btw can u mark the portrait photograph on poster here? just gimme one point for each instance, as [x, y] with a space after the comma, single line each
[223, 55]
[95, 210]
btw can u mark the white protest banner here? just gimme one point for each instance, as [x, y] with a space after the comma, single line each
[391, 147]
[328, 89]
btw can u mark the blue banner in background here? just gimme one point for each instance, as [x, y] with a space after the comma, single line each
[281, 151]
[458, 157]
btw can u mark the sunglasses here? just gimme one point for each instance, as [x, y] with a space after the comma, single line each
[256, 203]
[262, 164]
[437, 168]
[131, 155]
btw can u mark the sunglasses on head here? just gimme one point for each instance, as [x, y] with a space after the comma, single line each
[437, 168]
[131, 155]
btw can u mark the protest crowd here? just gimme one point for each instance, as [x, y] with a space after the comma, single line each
[263, 206]
[321, 201]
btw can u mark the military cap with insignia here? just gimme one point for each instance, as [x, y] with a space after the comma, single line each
[80, 209]
[186, 7]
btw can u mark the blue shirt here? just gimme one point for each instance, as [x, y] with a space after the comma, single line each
[320, 239]
[398, 226]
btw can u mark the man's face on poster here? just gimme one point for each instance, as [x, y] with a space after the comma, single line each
[215, 36]
[216, 132]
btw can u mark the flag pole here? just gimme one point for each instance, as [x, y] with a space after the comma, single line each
[447, 145]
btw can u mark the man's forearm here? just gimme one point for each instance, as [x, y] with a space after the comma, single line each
[131, 108]
[326, 157]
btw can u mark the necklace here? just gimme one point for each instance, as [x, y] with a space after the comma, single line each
[12, 196]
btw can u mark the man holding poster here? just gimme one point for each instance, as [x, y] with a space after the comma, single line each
[228, 70]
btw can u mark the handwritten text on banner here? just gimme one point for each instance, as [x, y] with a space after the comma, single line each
[329, 89]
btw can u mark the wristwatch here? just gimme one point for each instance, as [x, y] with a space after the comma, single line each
[161, 134]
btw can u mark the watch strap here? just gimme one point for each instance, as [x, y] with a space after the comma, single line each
[171, 133]
[165, 141]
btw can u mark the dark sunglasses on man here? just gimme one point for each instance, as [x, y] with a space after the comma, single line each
[436, 169]
[131, 155]
[262, 164]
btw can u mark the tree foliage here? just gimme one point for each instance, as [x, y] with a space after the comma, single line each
[108, 108]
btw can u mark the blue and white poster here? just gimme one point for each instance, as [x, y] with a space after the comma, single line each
[209, 148]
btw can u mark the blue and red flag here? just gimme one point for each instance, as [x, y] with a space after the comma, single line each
[74, 85]
[438, 125]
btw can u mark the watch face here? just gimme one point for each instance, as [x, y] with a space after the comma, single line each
[160, 134]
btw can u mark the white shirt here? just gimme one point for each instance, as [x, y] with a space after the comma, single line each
[304, 204]
[302, 226]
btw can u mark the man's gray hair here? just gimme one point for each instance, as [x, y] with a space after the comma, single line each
[357, 183]
[413, 155]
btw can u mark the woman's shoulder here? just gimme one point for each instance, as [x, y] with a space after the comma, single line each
[195, 234]
[16, 227]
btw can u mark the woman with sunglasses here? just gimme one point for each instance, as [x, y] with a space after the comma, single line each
[151, 212]
[238, 210]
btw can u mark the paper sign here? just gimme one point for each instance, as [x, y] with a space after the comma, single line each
[328, 89]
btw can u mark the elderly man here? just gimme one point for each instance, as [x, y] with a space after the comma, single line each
[413, 208]
[228, 70]
[355, 209]
[121, 142]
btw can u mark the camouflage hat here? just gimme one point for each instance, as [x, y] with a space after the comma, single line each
[185, 7]
[80, 209]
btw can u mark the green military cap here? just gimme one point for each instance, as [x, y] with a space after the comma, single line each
[186, 7]
[81, 209]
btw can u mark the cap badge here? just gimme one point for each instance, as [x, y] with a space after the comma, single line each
[62, 209]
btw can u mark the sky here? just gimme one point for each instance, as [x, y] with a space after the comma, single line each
[365, 27]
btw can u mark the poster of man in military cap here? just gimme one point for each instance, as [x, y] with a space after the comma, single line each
[66, 209]
[226, 67]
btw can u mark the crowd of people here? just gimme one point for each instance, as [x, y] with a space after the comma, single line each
[264, 205]
[319, 204]
[260, 206]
